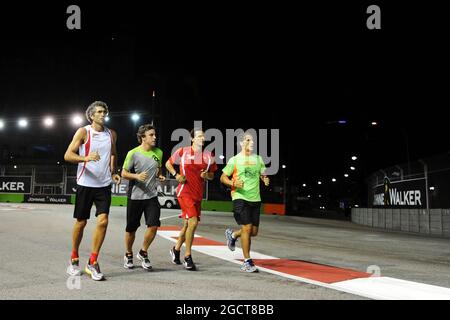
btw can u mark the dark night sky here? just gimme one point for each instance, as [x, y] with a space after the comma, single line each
[234, 66]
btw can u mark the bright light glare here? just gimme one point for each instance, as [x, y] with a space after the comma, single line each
[23, 123]
[48, 122]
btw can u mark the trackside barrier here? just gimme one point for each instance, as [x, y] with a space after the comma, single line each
[435, 222]
[207, 205]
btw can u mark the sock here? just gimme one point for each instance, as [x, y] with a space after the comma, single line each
[143, 253]
[74, 255]
[175, 249]
[93, 258]
[246, 260]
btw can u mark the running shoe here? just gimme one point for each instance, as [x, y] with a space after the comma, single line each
[189, 263]
[94, 271]
[128, 261]
[74, 267]
[231, 242]
[143, 257]
[249, 266]
[175, 256]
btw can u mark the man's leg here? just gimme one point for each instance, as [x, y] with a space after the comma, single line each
[77, 235]
[150, 234]
[254, 231]
[245, 234]
[99, 235]
[237, 234]
[74, 267]
[152, 212]
[182, 236]
[129, 240]
[143, 255]
[191, 227]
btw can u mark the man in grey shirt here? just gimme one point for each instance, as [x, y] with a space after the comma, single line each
[142, 167]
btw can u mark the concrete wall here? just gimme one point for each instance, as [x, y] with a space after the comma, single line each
[435, 222]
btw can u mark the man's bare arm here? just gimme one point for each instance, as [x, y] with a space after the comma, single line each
[113, 164]
[72, 155]
[172, 170]
[134, 176]
[225, 180]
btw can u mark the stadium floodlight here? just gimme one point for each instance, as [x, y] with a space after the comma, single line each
[135, 117]
[48, 122]
[77, 120]
[374, 123]
[432, 188]
[319, 182]
[352, 168]
[15, 167]
[221, 157]
[346, 175]
[283, 166]
[304, 185]
[334, 180]
[2, 124]
[23, 123]
[107, 119]
[354, 158]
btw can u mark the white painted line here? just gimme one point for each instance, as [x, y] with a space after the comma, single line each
[168, 234]
[382, 288]
[169, 217]
[387, 288]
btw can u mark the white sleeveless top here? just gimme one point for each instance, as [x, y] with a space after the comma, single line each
[95, 173]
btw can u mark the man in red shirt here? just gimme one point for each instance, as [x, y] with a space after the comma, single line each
[196, 166]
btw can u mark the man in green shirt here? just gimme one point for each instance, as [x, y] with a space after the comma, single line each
[246, 170]
[142, 167]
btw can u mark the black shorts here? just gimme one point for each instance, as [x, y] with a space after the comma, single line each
[151, 210]
[246, 212]
[86, 196]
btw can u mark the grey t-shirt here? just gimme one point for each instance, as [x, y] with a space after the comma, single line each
[138, 161]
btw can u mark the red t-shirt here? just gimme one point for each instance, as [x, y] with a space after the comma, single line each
[191, 164]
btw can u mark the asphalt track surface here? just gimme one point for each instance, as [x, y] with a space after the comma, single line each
[35, 244]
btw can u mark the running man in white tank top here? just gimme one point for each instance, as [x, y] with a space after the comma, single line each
[93, 148]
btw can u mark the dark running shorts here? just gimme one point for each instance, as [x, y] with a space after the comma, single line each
[151, 210]
[87, 196]
[246, 212]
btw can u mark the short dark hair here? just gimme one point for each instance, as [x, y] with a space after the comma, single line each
[142, 130]
[241, 137]
[195, 130]
[91, 109]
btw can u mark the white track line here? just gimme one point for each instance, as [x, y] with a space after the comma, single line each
[383, 288]
[169, 217]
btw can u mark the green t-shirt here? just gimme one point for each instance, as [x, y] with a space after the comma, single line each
[138, 161]
[249, 170]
